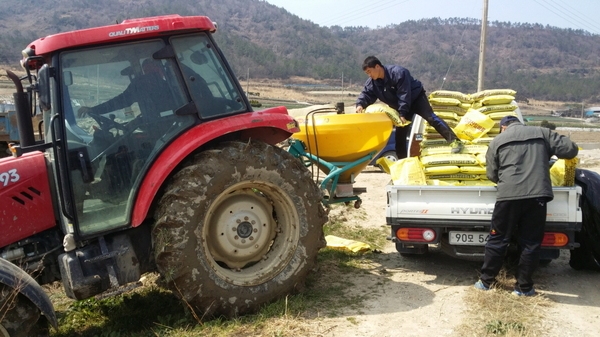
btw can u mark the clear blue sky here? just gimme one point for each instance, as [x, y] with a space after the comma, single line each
[576, 14]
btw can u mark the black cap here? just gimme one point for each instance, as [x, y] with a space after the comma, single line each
[507, 120]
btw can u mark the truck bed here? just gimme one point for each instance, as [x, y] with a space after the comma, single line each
[467, 211]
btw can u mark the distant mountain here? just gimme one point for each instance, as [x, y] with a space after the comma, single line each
[538, 61]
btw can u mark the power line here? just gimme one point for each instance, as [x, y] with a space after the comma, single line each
[364, 11]
[563, 13]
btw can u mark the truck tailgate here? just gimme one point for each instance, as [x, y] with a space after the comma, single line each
[427, 204]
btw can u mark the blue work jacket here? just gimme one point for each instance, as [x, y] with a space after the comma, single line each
[398, 89]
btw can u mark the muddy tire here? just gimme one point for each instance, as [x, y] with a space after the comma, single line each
[19, 316]
[238, 226]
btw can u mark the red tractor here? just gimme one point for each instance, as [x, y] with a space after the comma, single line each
[150, 159]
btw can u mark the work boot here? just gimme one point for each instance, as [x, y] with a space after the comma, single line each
[526, 293]
[479, 285]
[457, 146]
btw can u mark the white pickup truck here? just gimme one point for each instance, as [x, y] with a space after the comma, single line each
[457, 218]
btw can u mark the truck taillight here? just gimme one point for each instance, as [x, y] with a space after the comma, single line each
[552, 239]
[416, 234]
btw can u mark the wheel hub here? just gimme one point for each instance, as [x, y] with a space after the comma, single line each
[241, 229]
[244, 230]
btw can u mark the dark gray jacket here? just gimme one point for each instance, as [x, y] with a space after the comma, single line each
[518, 160]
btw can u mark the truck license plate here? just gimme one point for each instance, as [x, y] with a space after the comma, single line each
[468, 238]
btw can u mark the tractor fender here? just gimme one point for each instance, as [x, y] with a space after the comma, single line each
[18, 279]
[271, 126]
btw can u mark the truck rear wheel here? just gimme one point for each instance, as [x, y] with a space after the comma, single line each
[238, 226]
[19, 316]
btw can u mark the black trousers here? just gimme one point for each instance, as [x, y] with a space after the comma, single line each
[420, 106]
[524, 219]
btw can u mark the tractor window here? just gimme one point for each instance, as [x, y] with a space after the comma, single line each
[206, 77]
[119, 108]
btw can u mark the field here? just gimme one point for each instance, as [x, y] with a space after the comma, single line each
[375, 293]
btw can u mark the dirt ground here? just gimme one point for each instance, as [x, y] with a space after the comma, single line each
[426, 295]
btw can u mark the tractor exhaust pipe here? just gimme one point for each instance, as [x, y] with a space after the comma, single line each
[22, 107]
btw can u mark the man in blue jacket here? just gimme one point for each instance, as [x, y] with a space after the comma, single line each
[394, 86]
[518, 161]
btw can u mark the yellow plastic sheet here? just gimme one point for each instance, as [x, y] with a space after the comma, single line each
[338, 243]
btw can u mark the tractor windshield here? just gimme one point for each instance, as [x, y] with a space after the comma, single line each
[209, 83]
[119, 103]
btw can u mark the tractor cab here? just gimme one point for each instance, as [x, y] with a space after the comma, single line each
[109, 110]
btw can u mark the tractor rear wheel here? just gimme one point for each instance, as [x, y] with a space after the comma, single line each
[19, 316]
[238, 226]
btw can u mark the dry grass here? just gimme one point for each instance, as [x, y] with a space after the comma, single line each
[499, 313]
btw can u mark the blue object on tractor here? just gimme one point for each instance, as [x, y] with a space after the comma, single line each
[8, 126]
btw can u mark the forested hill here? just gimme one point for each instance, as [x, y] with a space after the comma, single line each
[538, 61]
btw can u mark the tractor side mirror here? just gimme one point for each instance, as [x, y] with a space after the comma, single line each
[44, 88]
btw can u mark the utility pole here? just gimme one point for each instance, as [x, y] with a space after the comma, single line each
[342, 83]
[482, 47]
[248, 83]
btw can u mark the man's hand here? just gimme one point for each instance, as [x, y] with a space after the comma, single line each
[359, 109]
[403, 120]
[84, 111]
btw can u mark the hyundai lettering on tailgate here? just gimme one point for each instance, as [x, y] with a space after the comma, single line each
[472, 210]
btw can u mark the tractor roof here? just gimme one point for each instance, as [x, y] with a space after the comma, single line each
[132, 29]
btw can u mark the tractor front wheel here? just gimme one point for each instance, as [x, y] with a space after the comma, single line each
[238, 226]
[19, 316]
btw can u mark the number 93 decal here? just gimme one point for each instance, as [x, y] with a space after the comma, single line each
[11, 176]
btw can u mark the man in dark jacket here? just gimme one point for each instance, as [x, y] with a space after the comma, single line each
[149, 90]
[518, 161]
[394, 86]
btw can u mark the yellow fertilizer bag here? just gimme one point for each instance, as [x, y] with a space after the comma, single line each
[475, 149]
[493, 132]
[451, 94]
[482, 140]
[447, 169]
[497, 108]
[444, 101]
[433, 142]
[446, 115]
[392, 113]
[501, 114]
[562, 172]
[451, 159]
[449, 108]
[497, 100]
[481, 159]
[431, 150]
[455, 176]
[492, 92]
[473, 125]
[472, 170]
[408, 171]
[438, 182]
